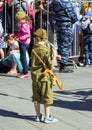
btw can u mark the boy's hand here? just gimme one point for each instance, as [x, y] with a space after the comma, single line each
[58, 57]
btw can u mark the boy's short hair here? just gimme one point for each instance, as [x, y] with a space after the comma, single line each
[7, 37]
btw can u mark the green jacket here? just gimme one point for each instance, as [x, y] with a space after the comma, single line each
[37, 68]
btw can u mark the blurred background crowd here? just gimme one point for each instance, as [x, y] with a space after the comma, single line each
[40, 12]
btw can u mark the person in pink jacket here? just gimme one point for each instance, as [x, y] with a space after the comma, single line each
[24, 38]
[31, 10]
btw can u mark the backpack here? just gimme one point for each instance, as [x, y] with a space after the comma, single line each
[88, 30]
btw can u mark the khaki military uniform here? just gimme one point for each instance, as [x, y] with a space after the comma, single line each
[42, 84]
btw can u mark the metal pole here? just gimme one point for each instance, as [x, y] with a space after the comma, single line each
[5, 26]
[34, 19]
[13, 18]
[47, 20]
[41, 17]
[5, 19]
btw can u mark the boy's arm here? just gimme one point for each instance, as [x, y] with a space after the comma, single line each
[48, 59]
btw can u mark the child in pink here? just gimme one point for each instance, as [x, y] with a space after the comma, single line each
[24, 38]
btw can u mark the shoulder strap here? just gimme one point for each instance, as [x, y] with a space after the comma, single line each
[50, 72]
[39, 58]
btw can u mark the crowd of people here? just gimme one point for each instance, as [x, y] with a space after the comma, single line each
[43, 29]
[45, 14]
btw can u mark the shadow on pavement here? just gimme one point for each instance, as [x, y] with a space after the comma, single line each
[6, 113]
[8, 75]
[75, 99]
[23, 98]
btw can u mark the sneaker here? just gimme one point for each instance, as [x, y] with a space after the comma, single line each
[50, 120]
[23, 76]
[38, 118]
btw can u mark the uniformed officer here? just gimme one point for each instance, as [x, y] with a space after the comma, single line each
[64, 17]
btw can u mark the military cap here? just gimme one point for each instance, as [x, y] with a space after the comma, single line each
[41, 33]
[20, 15]
[88, 14]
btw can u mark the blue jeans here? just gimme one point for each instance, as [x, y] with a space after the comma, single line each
[23, 50]
[88, 50]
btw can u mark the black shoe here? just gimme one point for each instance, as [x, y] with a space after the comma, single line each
[65, 70]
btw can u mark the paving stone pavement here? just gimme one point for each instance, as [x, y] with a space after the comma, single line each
[72, 106]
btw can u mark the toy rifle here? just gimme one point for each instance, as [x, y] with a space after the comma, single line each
[50, 72]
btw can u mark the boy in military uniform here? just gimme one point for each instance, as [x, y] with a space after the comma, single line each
[41, 83]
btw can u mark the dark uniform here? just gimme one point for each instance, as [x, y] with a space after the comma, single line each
[41, 85]
[64, 17]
